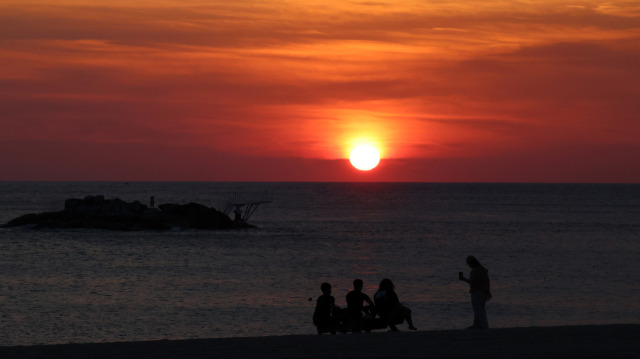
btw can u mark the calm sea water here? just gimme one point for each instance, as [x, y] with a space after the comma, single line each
[557, 255]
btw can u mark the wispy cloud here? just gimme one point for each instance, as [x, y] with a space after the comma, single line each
[286, 79]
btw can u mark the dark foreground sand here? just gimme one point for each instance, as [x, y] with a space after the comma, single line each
[609, 341]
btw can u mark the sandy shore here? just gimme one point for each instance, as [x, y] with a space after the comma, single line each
[608, 341]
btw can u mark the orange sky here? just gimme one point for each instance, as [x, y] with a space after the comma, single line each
[468, 90]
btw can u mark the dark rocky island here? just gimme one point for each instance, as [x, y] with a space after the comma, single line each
[116, 214]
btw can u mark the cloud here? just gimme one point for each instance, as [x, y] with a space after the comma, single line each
[425, 80]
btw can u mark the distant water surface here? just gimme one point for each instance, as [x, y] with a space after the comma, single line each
[558, 254]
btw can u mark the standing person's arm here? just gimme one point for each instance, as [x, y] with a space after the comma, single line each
[487, 293]
[474, 278]
[462, 278]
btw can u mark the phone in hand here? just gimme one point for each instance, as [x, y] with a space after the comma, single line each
[460, 275]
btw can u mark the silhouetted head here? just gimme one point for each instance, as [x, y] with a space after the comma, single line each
[473, 262]
[386, 284]
[358, 284]
[325, 288]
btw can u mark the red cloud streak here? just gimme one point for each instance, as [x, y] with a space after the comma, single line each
[254, 91]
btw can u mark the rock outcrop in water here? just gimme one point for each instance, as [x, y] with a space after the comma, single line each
[116, 214]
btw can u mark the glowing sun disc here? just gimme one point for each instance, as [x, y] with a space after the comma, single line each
[364, 157]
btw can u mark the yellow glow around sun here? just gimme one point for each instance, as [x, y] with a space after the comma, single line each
[364, 157]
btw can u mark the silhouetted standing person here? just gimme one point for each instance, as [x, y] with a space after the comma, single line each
[355, 304]
[479, 287]
[323, 314]
[389, 307]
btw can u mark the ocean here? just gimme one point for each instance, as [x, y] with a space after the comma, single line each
[557, 254]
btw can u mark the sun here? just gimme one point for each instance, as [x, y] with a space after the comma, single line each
[365, 157]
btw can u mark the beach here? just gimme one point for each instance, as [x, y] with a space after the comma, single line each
[597, 341]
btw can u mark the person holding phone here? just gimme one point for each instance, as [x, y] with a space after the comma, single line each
[479, 287]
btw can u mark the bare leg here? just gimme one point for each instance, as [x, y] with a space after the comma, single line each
[407, 316]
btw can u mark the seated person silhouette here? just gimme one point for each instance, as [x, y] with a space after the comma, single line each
[355, 306]
[323, 316]
[389, 307]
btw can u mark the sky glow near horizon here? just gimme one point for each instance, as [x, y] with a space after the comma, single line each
[476, 90]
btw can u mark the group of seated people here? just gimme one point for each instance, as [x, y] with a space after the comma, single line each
[384, 311]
